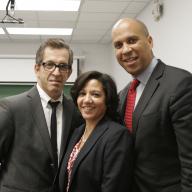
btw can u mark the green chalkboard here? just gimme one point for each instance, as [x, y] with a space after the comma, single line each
[8, 90]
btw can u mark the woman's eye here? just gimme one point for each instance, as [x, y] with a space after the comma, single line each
[96, 94]
[81, 93]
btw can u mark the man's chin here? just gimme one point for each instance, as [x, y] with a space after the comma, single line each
[55, 93]
[55, 88]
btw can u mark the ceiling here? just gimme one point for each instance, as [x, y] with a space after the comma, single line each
[91, 24]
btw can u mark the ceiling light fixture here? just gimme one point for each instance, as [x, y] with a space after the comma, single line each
[44, 5]
[9, 15]
[2, 31]
[39, 31]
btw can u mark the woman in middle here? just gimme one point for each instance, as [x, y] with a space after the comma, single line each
[99, 154]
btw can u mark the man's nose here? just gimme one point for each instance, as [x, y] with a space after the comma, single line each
[126, 48]
[56, 71]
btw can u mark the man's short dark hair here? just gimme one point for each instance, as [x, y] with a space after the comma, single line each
[55, 43]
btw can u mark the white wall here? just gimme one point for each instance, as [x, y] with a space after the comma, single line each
[92, 56]
[95, 57]
[172, 36]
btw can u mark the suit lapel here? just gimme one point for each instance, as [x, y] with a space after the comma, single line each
[67, 116]
[90, 143]
[73, 140]
[39, 118]
[151, 86]
[123, 101]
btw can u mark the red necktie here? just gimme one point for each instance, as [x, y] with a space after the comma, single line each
[130, 104]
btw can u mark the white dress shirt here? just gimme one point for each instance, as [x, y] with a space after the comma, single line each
[48, 110]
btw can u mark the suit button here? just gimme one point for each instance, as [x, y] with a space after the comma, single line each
[52, 165]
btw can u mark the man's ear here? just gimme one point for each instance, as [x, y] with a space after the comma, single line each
[150, 41]
[36, 68]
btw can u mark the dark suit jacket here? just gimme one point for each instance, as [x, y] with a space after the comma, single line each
[162, 132]
[104, 164]
[25, 149]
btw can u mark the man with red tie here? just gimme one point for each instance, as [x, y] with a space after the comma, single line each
[157, 110]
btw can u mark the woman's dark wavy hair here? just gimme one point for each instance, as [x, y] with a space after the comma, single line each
[109, 88]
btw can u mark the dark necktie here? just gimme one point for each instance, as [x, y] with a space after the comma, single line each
[130, 104]
[54, 131]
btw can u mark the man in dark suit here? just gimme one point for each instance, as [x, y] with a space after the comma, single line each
[162, 116]
[27, 157]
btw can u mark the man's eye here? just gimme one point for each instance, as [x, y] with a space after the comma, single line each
[118, 45]
[132, 41]
[64, 66]
[49, 65]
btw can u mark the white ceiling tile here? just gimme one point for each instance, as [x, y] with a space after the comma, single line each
[83, 41]
[27, 41]
[113, 0]
[3, 36]
[24, 37]
[26, 15]
[90, 32]
[104, 6]
[131, 15]
[134, 7]
[2, 14]
[4, 25]
[58, 24]
[93, 25]
[98, 17]
[29, 23]
[58, 16]
[146, 1]
[86, 38]
[59, 36]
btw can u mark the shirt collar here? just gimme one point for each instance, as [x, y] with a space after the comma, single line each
[45, 98]
[145, 75]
